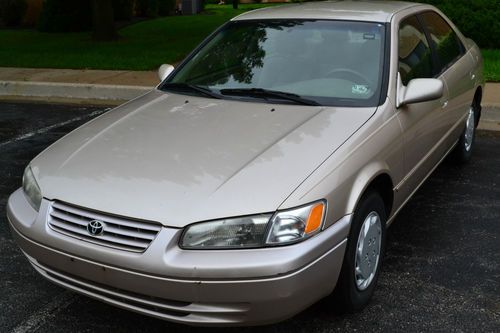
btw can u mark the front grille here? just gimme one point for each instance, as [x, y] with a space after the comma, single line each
[120, 233]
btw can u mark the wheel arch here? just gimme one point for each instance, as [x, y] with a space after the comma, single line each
[377, 179]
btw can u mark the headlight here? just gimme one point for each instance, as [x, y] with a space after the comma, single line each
[239, 232]
[31, 189]
[283, 227]
[293, 225]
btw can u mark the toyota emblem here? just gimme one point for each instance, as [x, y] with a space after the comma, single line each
[95, 227]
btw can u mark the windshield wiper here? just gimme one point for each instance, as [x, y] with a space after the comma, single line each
[265, 93]
[189, 87]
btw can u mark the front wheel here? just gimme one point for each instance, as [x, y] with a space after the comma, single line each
[363, 257]
[463, 150]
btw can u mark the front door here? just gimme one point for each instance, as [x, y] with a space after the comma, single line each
[423, 124]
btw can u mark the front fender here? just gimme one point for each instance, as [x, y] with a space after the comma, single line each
[363, 180]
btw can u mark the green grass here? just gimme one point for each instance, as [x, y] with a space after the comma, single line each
[143, 46]
[492, 65]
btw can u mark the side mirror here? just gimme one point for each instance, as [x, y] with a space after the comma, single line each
[165, 71]
[419, 90]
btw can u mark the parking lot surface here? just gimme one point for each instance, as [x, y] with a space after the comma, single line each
[441, 271]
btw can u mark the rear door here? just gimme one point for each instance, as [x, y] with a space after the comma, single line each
[454, 67]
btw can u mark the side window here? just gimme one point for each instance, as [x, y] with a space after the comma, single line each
[415, 58]
[444, 40]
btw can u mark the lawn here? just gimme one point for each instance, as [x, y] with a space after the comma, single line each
[492, 65]
[142, 46]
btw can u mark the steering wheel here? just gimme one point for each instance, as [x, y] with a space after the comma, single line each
[348, 74]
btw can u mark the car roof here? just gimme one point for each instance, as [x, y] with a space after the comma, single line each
[370, 11]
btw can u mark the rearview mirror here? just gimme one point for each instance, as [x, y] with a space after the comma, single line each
[419, 90]
[164, 71]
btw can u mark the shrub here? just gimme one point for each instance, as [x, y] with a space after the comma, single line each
[66, 16]
[478, 19]
[123, 9]
[147, 8]
[12, 11]
[166, 7]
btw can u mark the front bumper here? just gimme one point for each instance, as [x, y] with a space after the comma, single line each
[220, 288]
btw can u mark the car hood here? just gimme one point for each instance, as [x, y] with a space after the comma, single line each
[179, 159]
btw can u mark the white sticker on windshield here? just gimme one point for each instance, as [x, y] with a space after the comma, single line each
[360, 89]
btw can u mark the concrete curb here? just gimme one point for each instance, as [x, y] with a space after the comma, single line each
[113, 95]
[119, 93]
[490, 118]
[76, 91]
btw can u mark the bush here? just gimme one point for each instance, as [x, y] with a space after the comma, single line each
[147, 8]
[123, 9]
[166, 7]
[12, 11]
[478, 19]
[66, 16]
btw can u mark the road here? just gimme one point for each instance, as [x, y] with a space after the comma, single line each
[441, 271]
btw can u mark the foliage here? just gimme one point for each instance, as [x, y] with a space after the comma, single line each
[478, 19]
[123, 9]
[166, 7]
[66, 16]
[147, 8]
[12, 11]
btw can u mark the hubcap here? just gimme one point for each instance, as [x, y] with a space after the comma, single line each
[469, 130]
[368, 250]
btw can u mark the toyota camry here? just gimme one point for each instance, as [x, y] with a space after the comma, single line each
[261, 174]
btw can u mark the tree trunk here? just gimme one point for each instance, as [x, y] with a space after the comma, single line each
[235, 4]
[104, 21]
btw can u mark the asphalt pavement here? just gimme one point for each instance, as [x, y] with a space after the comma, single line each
[441, 271]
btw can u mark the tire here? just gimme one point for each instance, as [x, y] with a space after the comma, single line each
[351, 293]
[463, 150]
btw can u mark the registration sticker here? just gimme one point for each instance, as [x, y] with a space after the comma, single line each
[360, 89]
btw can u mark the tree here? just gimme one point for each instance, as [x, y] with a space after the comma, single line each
[65, 16]
[12, 11]
[104, 21]
[235, 4]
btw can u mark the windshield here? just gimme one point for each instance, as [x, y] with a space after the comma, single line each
[327, 62]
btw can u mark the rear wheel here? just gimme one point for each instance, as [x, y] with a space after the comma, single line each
[463, 150]
[363, 257]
